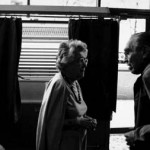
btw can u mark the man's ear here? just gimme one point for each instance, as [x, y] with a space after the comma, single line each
[146, 51]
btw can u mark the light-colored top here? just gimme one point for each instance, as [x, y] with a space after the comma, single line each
[58, 102]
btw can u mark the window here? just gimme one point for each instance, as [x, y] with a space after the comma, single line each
[38, 56]
[64, 2]
[123, 118]
[39, 49]
[137, 4]
[89, 3]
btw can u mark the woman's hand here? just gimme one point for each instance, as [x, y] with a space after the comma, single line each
[94, 121]
[87, 122]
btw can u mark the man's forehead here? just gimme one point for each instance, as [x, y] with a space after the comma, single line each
[133, 42]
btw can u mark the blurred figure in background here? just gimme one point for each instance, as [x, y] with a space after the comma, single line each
[137, 53]
[62, 122]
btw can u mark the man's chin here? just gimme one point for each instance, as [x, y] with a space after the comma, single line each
[135, 72]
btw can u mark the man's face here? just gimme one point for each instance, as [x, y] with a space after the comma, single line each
[134, 57]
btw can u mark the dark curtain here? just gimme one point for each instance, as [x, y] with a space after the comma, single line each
[10, 48]
[99, 86]
[100, 82]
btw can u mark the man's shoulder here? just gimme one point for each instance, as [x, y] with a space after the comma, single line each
[146, 72]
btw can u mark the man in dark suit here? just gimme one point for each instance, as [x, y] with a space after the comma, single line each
[137, 54]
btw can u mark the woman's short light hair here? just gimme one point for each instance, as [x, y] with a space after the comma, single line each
[68, 51]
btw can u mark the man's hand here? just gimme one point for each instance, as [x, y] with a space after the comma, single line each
[130, 138]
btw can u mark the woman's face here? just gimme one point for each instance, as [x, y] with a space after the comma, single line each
[76, 69]
[134, 58]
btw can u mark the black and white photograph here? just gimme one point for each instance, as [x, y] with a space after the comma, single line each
[75, 74]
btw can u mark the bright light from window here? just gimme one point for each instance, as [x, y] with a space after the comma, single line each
[137, 4]
[123, 118]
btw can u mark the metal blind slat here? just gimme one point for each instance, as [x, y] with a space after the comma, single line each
[39, 50]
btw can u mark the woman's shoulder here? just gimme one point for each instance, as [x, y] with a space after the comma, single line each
[59, 81]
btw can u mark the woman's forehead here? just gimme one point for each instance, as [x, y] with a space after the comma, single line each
[82, 54]
[77, 52]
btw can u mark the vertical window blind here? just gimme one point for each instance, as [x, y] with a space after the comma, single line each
[40, 44]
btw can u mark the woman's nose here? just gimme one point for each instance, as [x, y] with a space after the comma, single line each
[85, 63]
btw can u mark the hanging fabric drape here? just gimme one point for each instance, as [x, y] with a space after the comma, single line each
[99, 85]
[10, 48]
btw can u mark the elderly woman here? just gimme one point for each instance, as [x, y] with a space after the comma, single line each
[62, 122]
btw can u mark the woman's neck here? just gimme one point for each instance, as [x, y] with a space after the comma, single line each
[68, 79]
